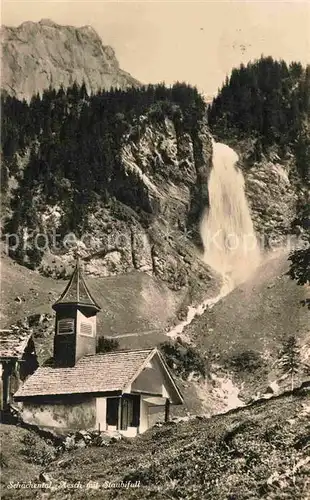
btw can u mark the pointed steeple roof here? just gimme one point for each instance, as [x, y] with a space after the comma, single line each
[76, 292]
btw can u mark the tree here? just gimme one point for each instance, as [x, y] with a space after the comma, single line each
[302, 150]
[300, 266]
[265, 99]
[300, 269]
[300, 258]
[289, 358]
[106, 345]
[183, 358]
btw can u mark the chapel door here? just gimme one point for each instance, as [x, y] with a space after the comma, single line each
[112, 411]
[130, 411]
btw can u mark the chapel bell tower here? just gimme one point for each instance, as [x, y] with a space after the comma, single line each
[75, 325]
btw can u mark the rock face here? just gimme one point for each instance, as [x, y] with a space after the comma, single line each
[37, 55]
[162, 168]
[273, 198]
[156, 230]
[274, 192]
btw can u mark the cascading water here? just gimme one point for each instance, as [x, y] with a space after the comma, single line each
[230, 244]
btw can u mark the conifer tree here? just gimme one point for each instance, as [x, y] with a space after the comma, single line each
[289, 358]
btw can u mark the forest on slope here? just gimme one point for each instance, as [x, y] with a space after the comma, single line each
[66, 145]
[77, 133]
[74, 146]
[267, 102]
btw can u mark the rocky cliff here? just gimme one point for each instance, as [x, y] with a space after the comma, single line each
[274, 194]
[142, 216]
[36, 56]
[168, 173]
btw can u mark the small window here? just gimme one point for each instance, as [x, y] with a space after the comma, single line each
[65, 326]
[86, 329]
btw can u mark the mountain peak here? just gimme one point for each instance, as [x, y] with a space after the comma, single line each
[48, 22]
[35, 57]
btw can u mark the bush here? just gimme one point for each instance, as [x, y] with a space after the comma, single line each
[183, 358]
[106, 345]
[37, 451]
[246, 361]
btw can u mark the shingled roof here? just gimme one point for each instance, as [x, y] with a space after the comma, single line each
[13, 342]
[99, 373]
[76, 292]
[106, 372]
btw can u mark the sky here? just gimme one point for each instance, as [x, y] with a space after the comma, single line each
[196, 42]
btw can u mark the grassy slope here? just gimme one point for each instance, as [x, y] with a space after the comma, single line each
[15, 462]
[256, 315]
[130, 303]
[226, 457]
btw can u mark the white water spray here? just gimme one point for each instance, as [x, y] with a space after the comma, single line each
[230, 244]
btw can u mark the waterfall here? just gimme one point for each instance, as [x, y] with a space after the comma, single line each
[230, 244]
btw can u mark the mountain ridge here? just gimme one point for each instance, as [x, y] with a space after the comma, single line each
[37, 55]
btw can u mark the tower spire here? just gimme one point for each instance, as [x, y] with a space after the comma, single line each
[77, 266]
[77, 292]
[77, 256]
[75, 322]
